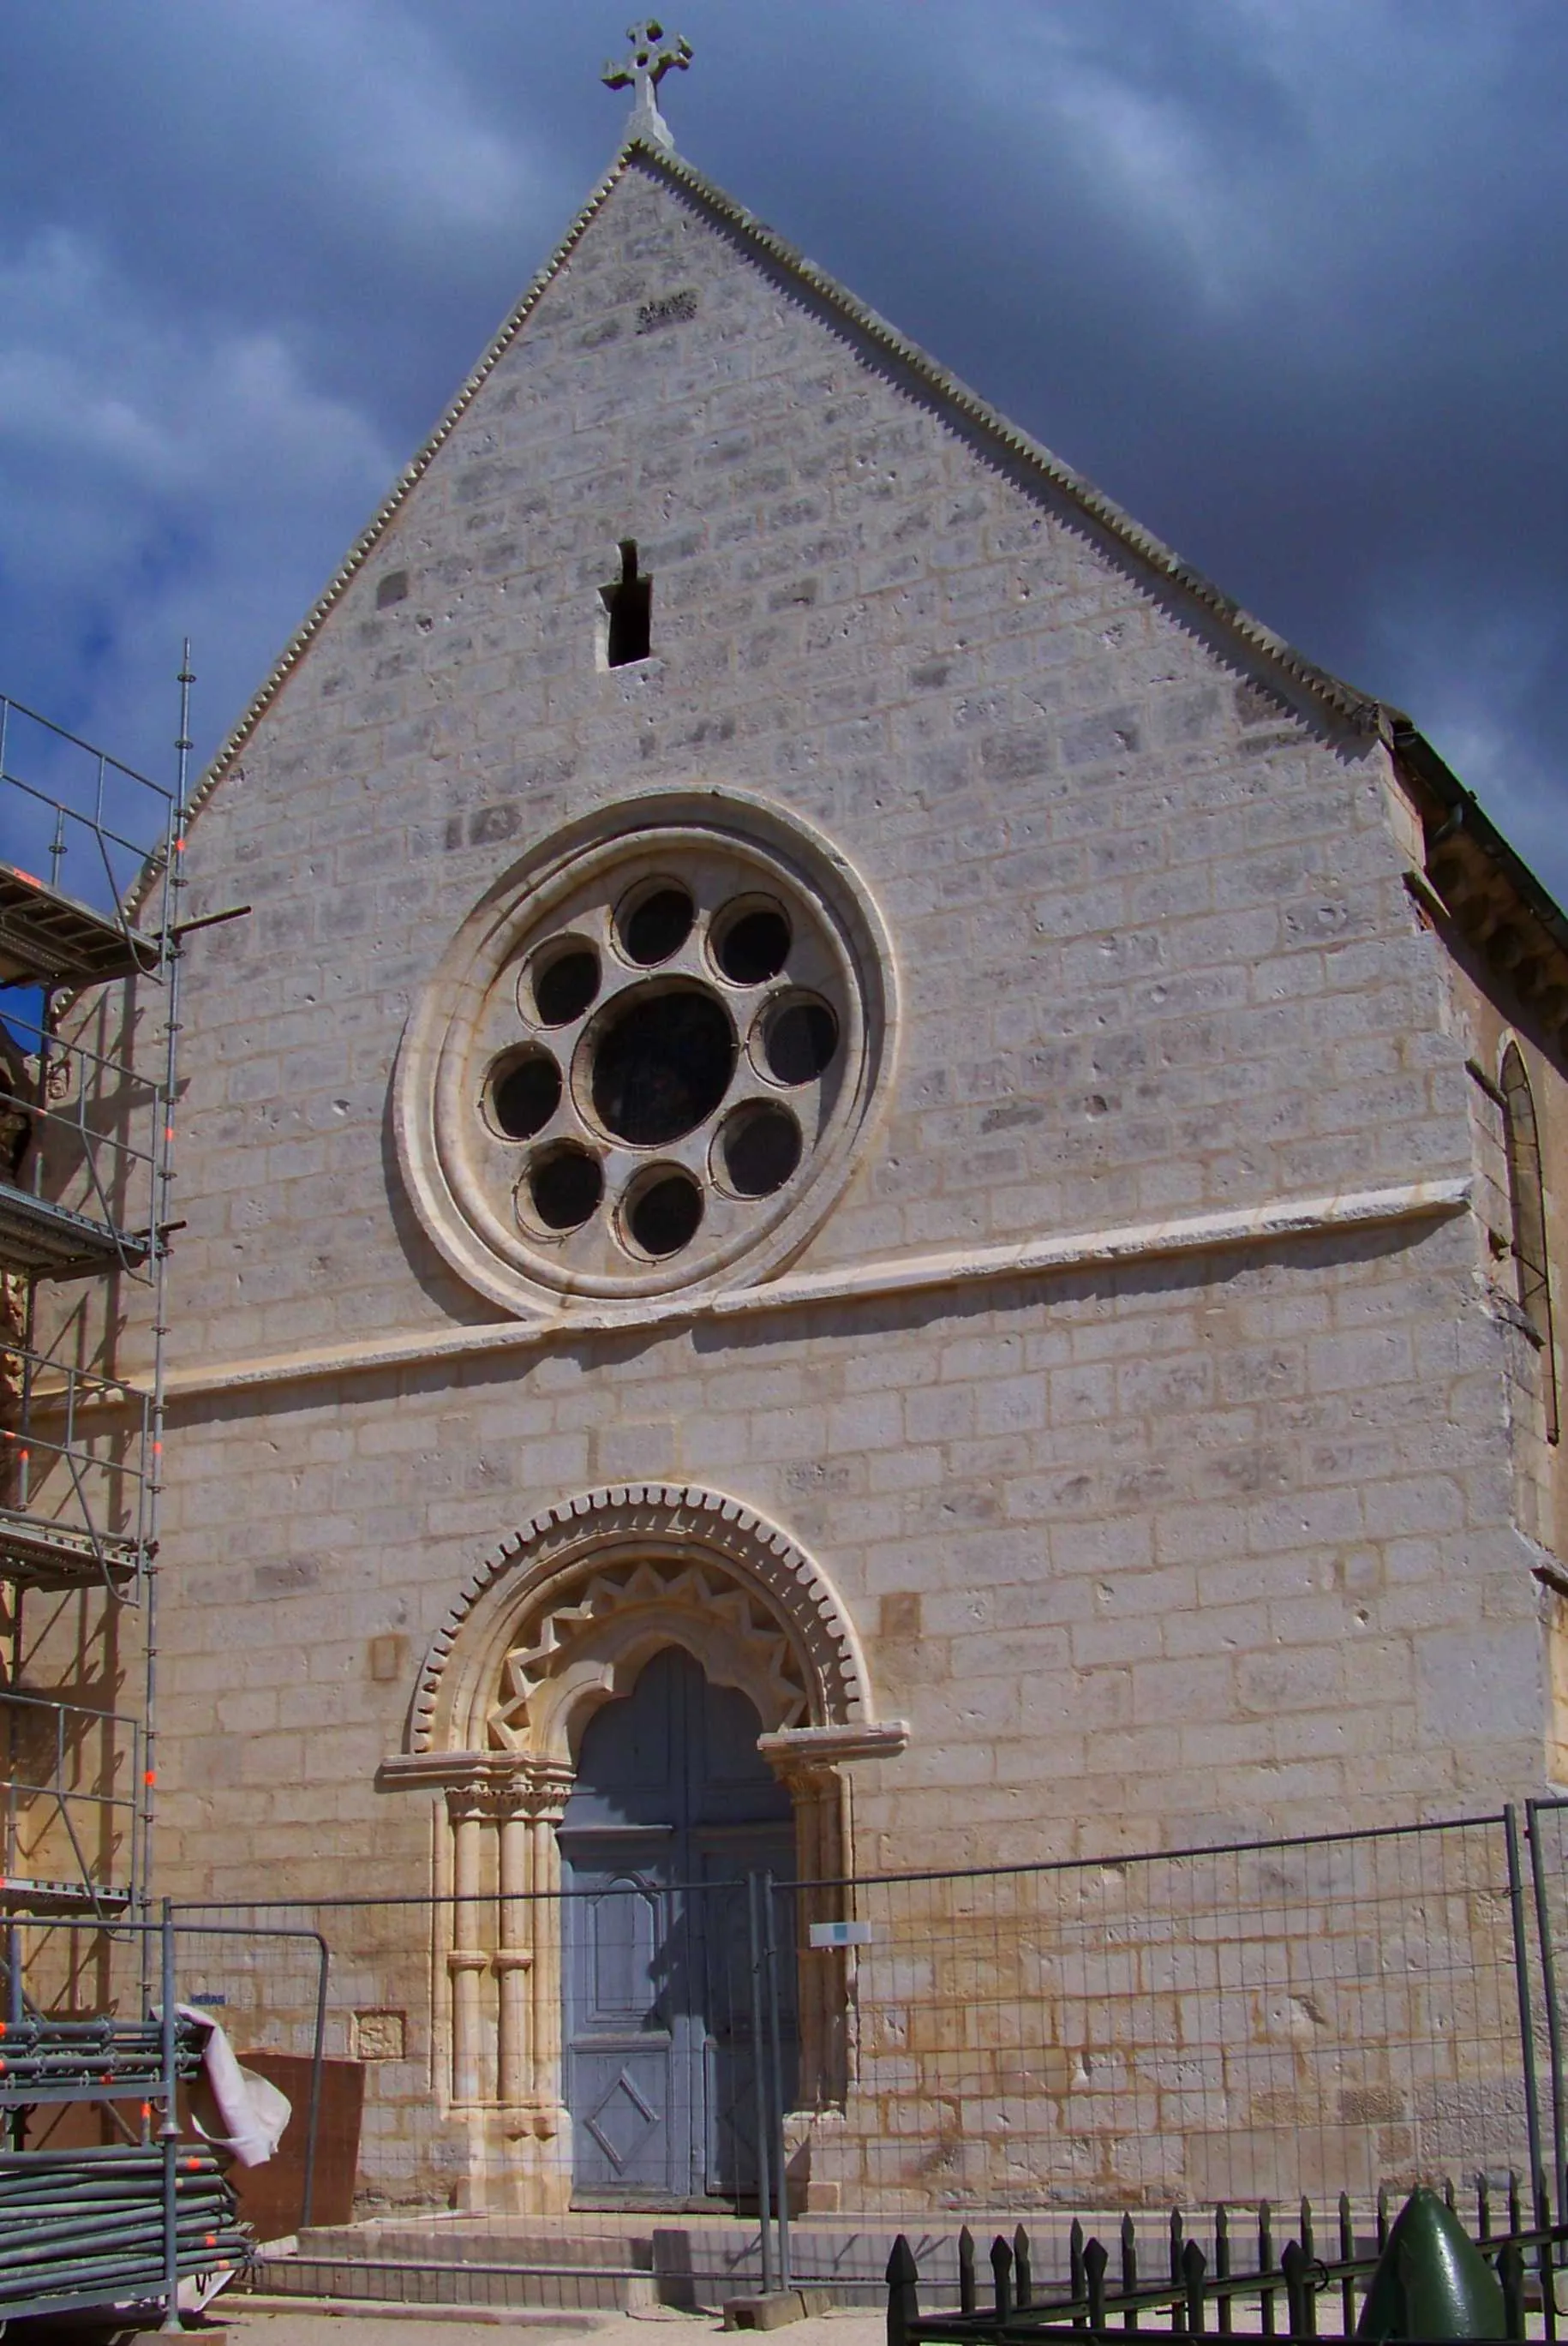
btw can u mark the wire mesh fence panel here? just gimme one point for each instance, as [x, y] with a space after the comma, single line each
[382, 2004]
[1239, 2023]
[600, 2047]
[260, 1978]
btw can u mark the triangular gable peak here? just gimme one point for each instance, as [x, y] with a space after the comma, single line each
[1516, 907]
[1343, 705]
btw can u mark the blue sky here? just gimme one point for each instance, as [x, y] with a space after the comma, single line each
[1284, 276]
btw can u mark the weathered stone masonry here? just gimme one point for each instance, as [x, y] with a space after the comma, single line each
[1247, 1510]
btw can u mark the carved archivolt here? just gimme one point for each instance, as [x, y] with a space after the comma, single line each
[590, 1642]
[563, 1615]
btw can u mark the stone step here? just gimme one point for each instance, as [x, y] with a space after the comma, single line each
[388, 2281]
[602, 2260]
[619, 2264]
[724, 2248]
[444, 2241]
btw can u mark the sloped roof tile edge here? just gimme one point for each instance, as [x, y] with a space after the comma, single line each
[1361, 710]
[412, 472]
[1358, 710]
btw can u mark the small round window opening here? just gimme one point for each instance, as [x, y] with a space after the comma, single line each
[663, 1212]
[654, 1063]
[655, 922]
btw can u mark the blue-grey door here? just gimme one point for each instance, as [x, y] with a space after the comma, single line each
[672, 1808]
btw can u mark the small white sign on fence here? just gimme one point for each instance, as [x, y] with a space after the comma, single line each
[841, 1934]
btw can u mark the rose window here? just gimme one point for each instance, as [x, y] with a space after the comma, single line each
[665, 1047]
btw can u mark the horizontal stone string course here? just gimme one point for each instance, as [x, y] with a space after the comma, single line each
[1409, 1201]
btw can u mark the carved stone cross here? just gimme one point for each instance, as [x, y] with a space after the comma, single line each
[654, 53]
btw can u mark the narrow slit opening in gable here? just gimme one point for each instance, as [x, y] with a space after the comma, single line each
[629, 603]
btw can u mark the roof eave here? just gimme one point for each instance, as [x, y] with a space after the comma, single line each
[1488, 892]
[1360, 711]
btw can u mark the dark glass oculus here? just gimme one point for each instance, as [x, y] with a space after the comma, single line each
[799, 1040]
[564, 1186]
[655, 924]
[662, 1065]
[665, 1214]
[565, 987]
[753, 946]
[525, 1094]
[758, 1149]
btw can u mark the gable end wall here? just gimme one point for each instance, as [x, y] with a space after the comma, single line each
[1210, 1541]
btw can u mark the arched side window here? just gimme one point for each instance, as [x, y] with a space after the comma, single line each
[1528, 1203]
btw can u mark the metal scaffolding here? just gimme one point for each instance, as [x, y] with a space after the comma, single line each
[124, 2223]
[89, 1025]
[89, 970]
[70, 1818]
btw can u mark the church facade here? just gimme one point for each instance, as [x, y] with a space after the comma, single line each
[873, 1187]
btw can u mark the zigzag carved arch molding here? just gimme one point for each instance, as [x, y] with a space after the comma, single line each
[564, 1614]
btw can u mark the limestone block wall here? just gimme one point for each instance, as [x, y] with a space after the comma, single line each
[1142, 1559]
[1216, 1546]
[1486, 1018]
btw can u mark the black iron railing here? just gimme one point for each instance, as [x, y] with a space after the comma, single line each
[1217, 2291]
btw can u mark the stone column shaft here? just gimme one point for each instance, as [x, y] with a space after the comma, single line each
[514, 1959]
[466, 1962]
[548, 2083]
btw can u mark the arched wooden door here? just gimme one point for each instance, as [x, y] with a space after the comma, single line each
[672, 1808]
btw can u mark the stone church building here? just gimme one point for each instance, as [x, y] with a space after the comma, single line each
[873, 1190]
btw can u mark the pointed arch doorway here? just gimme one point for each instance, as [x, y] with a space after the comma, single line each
[672, 1807]
[560, 1625]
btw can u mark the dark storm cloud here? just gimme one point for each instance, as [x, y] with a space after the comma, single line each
[1284, 276]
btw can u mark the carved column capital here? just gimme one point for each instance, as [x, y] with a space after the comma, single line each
[496, 1791]
[467, 1804]
[548, 1789]
[808, 1780]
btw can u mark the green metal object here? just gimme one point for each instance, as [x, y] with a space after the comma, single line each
[1431, 2281]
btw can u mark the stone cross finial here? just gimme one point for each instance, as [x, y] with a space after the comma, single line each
[654, 53]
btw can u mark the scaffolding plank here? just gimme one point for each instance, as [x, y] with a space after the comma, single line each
[54, 1241]
[53, 1555]
[46, 936]
[21, 1894]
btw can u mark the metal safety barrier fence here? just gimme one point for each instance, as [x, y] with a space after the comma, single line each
[829, 2061]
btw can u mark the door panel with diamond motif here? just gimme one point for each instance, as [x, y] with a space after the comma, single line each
[672, 1807]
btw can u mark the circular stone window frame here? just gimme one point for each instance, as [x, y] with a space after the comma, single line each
[434, 1079]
